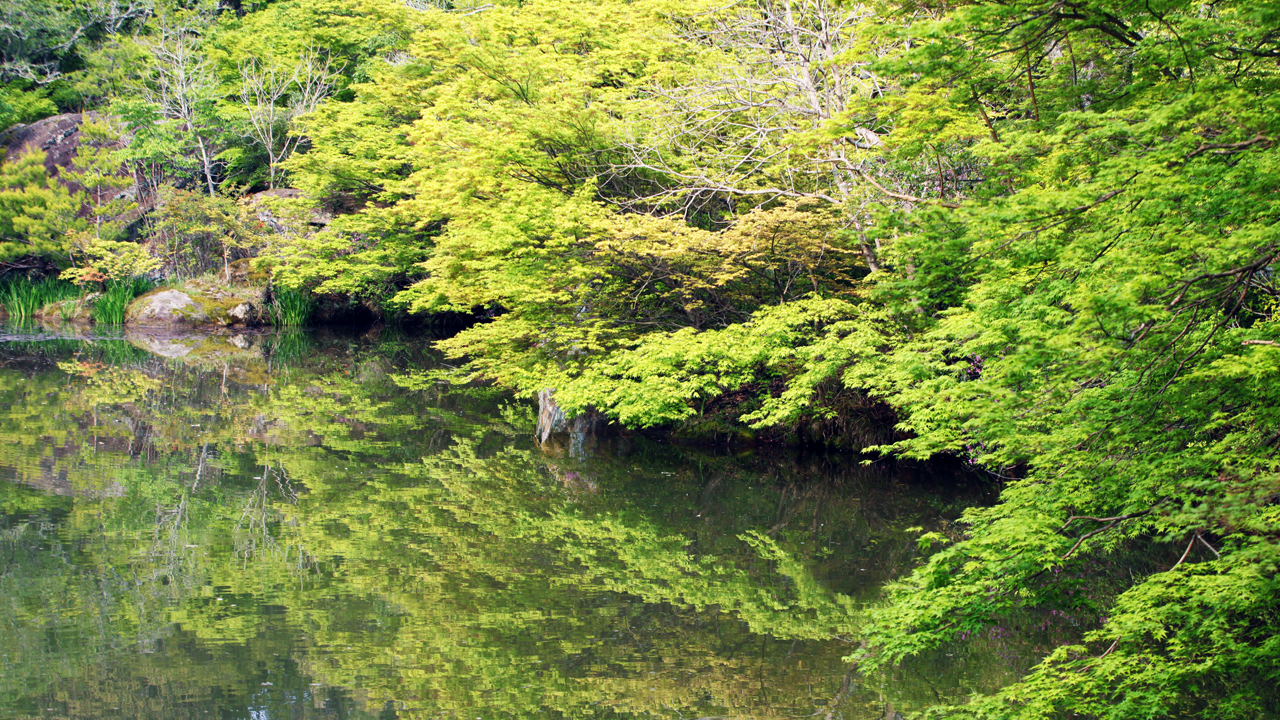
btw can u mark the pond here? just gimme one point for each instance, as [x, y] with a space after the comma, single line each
[305, 526]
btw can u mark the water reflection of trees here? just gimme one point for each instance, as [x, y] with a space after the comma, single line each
[417, 546]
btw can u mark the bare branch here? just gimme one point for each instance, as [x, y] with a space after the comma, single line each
[1186, 552]
[1212, 549]
[1110, 649]
[901, 196]
[784, 75]
[264, 89]
[183, 88]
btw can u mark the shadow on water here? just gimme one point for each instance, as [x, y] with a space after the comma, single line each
[276, 525]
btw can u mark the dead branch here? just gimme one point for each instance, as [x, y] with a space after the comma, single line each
[1212, 549]
[783, 74]
[1244, 270]
[181, 85]
[264, 88]
[902, 196]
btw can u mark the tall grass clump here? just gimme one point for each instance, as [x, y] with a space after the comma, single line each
[290, 308]
[109, 308]
[23, 298]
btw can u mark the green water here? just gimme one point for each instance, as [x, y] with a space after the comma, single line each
[301, 527]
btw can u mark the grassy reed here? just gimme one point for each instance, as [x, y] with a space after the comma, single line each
[290, 308]
[23, 298]
[109, 308]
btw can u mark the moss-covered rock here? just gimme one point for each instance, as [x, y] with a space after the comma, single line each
[165, 306]
[243, 273]
[77, 310]
[203, 301]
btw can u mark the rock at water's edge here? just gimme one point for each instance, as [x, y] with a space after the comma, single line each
[165, 307]
[557, 434]
[203, 301]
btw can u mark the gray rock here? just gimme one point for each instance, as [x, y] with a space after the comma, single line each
[165, 307]
[316, 218]
[242, 314]
[59, 137]
[203, 301]
[557, 433]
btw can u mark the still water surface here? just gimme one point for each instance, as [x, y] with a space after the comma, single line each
[302, 526]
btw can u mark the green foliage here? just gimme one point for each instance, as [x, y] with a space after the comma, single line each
[1098, 321]
[36, 36]
[22, 104]
[1071, 223]
[667, 377]
[290, 308]
[192, 233]
[108, 260]
[109, 308]
[113, 69]
[98, 170]
[488, 126]
[1043, 236]
[22, 298]
[358, 36]
[36, 211]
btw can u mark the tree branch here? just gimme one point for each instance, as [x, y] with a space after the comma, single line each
[901, 196]
[1230, 148]
[1111, 523]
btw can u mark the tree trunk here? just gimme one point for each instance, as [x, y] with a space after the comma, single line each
[206, 166]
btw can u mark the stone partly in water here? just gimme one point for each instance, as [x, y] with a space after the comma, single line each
[197, 303]
[165, 307]
[558, 434]
[242, 314]
[76, 310]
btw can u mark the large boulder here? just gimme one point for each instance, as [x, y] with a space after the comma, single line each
[165, 307]
[314, 217]
[198, 302]
[59, 138]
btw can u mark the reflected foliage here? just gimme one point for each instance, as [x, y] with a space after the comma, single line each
[283, 528]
